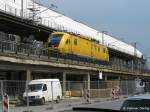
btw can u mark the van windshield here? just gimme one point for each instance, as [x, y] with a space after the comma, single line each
[35, 87]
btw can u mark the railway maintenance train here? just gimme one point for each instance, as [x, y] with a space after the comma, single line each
[78, 45]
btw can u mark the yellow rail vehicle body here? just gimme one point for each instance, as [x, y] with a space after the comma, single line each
[78, 45]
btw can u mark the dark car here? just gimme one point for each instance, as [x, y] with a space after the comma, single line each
[87, 109]
[140, 103]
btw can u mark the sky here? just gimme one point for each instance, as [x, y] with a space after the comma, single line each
[127, 19]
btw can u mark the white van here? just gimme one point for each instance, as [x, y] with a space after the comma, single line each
[43, 90]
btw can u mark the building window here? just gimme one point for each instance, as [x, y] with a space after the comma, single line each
[75, 42]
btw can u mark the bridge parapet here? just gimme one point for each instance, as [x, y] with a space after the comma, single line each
[32, 54]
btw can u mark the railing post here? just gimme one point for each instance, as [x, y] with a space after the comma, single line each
[15, 12]
[39, 53]
[16, 49]
[27, 91]
[5, 7]
[127, 87]
[48, 52]
[2, 47]
[29, 50]
[57, 56]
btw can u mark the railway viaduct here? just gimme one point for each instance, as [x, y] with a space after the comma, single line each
[17, 64]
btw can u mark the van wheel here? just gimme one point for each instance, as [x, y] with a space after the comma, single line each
[43, 101]
[58, 99]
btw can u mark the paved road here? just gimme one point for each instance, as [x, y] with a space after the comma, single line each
[65, 106]
[116, 105]
[108, 105]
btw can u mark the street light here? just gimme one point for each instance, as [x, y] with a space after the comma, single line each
[134, 44]
[103, 32]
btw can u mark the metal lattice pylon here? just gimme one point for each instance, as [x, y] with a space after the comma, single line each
[34, 9]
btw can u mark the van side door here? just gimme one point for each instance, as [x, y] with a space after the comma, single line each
[57, 92]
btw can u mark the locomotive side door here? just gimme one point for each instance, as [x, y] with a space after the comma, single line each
[68, 45]
[92, 48]
[71, 44]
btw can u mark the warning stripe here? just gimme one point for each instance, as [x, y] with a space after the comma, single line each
[5, 103]
[88, 96]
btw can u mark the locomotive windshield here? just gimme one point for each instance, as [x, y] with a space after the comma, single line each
[54, 40]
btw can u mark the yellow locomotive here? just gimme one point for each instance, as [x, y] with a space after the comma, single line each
[78, 45]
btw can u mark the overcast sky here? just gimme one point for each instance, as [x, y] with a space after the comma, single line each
[128, 19]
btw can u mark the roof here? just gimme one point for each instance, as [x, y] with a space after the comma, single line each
[42, 80]
[139, 97]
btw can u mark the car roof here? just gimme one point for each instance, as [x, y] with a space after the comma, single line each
[139, 97]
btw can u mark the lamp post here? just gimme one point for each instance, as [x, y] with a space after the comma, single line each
[134, 61]
[22, 8]
[103, 32]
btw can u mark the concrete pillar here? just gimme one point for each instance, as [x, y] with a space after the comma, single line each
[132, 65]
[105, 78]
[115, 63]
[127, 66]
[119, 78]
[88, 81]
[118, 63]
[64, 83]
[28, 75]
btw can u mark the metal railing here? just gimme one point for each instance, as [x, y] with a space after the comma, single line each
[36, 51]
[25, 14]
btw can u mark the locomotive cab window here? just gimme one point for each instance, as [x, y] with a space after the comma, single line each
[98, 49]
[104, 50]
[75, 41]
[95, 48]
[68, 41]
[54, 40]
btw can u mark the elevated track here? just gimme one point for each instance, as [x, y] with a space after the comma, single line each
[15, 56]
